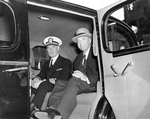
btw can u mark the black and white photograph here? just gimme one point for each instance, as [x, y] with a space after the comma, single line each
[74, 59]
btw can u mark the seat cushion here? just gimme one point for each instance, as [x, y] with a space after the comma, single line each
[83, 106]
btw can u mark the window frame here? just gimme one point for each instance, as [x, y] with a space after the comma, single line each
[138, 48]
[15, 40]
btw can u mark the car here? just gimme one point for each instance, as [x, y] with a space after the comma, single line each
[121, 42]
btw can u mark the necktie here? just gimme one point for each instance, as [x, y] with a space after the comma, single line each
[84, 61]
[82, 66]
[50, 63]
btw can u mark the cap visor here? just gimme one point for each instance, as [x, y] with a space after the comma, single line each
[52, 44]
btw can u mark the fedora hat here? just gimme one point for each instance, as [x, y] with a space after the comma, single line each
[81, 32]
[52, 40]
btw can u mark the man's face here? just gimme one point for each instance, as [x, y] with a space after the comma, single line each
[52, 50]
[84, 43]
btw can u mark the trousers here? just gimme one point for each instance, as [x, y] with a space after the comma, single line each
[43, 88]
[63, 97]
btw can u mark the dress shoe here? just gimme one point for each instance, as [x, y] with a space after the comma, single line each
[32, 107]
[32, 116]
[48, 114]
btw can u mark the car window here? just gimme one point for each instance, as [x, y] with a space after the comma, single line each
[119, 36]
[40, 56]
[7, 26]
[128, 27]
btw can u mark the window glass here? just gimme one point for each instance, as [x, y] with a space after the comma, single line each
[7, 26]
[136, 30]
[40, 56]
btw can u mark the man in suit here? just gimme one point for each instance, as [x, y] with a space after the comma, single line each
[83, 80]
[54, 69]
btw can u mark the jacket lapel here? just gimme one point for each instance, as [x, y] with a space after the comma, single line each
[56, 65]
[77, 61]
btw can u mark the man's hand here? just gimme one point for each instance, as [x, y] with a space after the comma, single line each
[36, 82]
[52, 80]
[80, 75]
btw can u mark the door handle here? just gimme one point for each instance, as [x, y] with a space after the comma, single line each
[113, 67]
[16, 69]
[126, 67]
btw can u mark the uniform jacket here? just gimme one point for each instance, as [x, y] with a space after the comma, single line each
[61, 69]
[91, 67]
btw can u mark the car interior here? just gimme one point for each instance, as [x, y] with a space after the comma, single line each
[45, 22]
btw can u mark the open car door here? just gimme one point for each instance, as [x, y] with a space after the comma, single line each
[14, 55]
[125, 43]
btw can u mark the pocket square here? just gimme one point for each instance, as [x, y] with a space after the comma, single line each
[59, 69]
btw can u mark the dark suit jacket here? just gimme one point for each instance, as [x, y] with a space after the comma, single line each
[91, 67]
[60, 70]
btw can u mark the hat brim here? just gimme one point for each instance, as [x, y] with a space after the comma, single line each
[74, 39]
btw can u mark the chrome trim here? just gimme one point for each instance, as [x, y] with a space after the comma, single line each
[16, 69]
